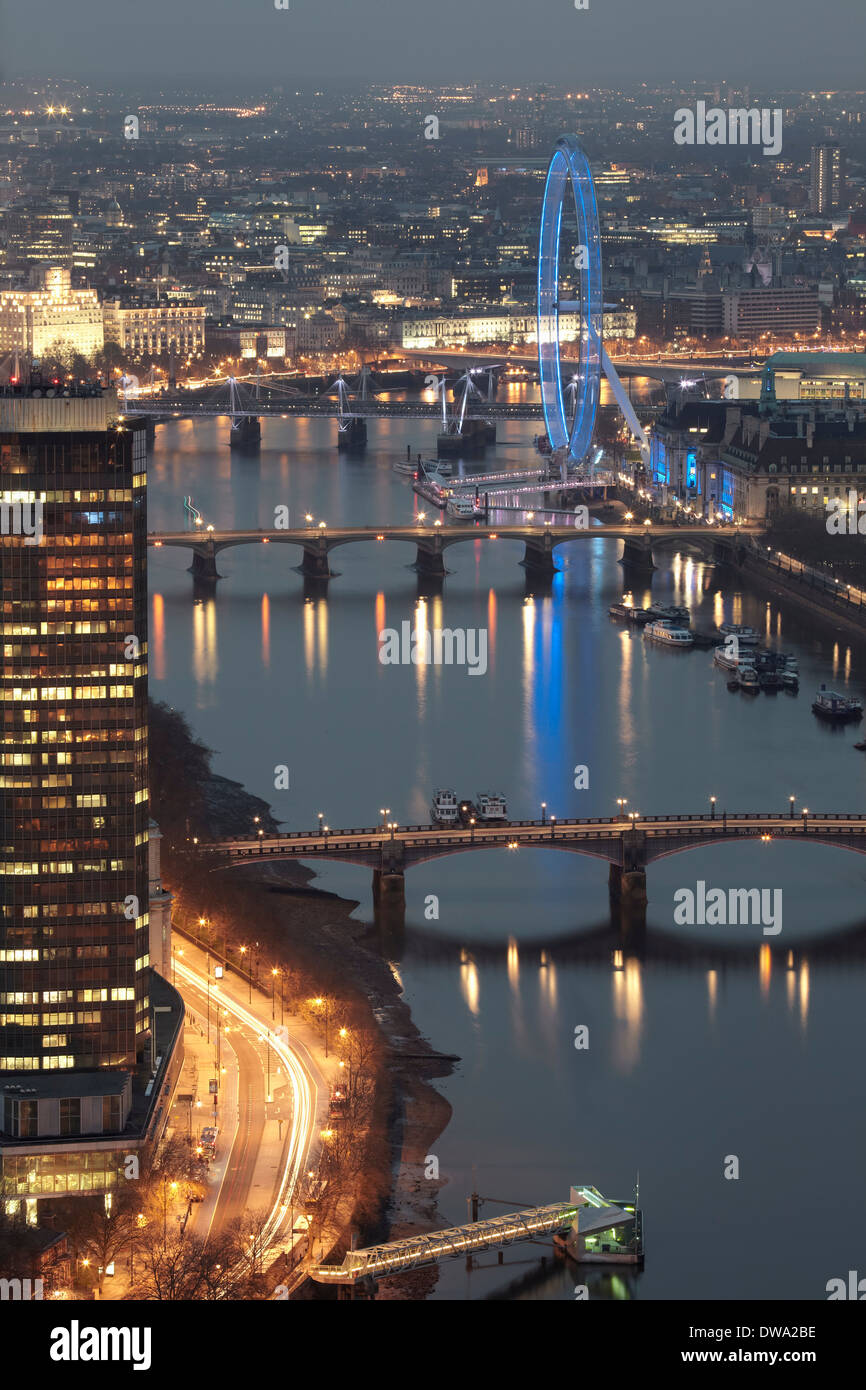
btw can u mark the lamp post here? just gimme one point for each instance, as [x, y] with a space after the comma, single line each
[274, 973]
[622, 802]
[321, 819]
[552, 826]
[805, 818]
[319, 1003]
[472, 830]
[243, 951]
[791, 806]
[543, 812]
[712, 808]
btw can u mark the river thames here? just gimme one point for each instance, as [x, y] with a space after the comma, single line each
[703, 1042]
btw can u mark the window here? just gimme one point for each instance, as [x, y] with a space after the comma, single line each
[70, 1116]
[111, 1113]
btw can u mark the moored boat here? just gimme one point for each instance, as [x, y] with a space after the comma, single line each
[839, 709]
[746, 636]
[667, 633]
[491, 806]
[672, 612]
[443, 808]
[730, 662]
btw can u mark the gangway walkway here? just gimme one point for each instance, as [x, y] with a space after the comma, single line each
[398, 1256]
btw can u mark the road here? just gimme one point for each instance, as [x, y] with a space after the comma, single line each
[257, 1151]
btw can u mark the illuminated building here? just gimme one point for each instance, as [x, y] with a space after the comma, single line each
[498, 324]
[826, 189]
[79, 1032]
[155, 328]
[50, 316]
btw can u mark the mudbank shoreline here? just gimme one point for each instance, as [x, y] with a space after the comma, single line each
[313, 932]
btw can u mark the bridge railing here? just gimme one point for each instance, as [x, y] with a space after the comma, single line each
[368, 838]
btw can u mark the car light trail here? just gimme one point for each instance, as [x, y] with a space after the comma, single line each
[304, 1100]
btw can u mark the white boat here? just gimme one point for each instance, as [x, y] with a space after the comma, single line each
[747, 636]
[668, 634]
[443, 808]
[491, 806]
[461, 506]
[437, 468]
[749, 680]
[729, 662]
[409, 468]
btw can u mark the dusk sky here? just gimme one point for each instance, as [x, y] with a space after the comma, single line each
[784, 43]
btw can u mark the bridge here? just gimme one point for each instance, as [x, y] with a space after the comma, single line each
[539, 541]
[585, 1213]
[628, 844]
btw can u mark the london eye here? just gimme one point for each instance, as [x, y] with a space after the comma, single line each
[569, 415]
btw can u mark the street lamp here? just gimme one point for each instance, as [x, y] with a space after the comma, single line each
[543, 812]
[791, 806]
[622, 802]
[712, 807]
[552, 826]
[472, 829]
[274, 973]
[243, 951]
[805, 817]
[319, 1003]
[321, 818]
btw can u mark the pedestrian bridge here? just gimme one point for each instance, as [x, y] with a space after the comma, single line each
[587, 1210]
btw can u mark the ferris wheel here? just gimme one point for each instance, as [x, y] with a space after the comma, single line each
[570, 414]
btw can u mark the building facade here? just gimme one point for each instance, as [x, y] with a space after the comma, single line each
[152, 329]
[50, 315]
[90, 1035]
[73, 712]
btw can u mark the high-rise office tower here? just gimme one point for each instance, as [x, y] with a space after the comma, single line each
[86, 1052]
[91, 1037]
[827, 184]
[73, 733]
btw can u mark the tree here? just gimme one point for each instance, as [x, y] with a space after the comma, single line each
[102, 1228]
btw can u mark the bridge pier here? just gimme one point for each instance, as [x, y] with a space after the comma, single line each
[538, 556]
[627, 883]
[352, 437]
[389, 900]
[430, 559]
[245, 432]
[203, 568]
[316, 562]
[637, 554]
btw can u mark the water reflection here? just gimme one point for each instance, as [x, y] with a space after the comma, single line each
[628, 1008]
[205, 663]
